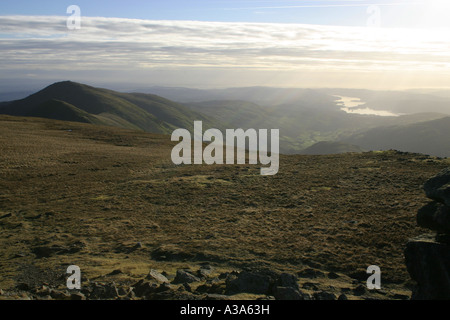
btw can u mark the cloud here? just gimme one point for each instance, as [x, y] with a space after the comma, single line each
[31, 43]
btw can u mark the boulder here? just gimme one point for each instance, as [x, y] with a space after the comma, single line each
[249, 282]
[288, 280]
[144, 287]
[184, 276]
[323, 295]
[428, 263]
[156, 276]
[438, 187]
[104, 291]
[289, 293]
[434, 216]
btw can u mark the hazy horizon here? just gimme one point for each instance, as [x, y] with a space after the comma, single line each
[375, 45]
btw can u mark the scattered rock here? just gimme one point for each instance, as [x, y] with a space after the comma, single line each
[249, 282]
[164, 287]
[434, 216]
[205, 271]
[223, 275]
[288, 280]
[77, 296]
[60, 295]
[323, 295]
[289, 293]
[342, 297]
[310, 286]
[438, 187]
[398, 296]
[187, 287]
[184, 276]
[359, 275]
[428, 263]
[333, 275]
[144, 287]
[104, 291]
[428, 259]
[156, 276]
[359, 290]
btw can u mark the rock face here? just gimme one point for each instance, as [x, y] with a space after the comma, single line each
[428, 257]
[438, 187]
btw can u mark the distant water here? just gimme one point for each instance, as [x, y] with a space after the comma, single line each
[349, 104]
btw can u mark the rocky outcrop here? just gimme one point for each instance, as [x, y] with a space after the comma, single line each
[438, 187]
[427, 257]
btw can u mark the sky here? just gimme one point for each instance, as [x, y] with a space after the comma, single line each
[211, 44]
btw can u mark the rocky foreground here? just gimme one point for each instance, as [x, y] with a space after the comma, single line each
[206, 284]
[428, 256]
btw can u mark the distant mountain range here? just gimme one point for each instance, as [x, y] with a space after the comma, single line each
[306, 118]
[428, 137]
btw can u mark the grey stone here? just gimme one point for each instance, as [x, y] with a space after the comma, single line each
[156, 276]
[184, 276]
[144, 287]
[359, 290]
[249, 282]
[288, 280]
[434, 216]
[289, 293]
[428, 263]
[104, 290]
[77, 296]
[204, 272]
[214, 296]
[60, 295]
[438, 187]
[323, 295]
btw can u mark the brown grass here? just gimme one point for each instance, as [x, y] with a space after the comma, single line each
[108, 188]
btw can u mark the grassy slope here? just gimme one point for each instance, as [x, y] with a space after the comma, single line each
[104, 189]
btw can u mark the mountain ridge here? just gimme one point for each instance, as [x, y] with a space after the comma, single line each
[133, 111]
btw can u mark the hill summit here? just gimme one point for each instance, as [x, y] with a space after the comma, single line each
[71, 101]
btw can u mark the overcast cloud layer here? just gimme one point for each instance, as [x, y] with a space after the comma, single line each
[34, 45]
